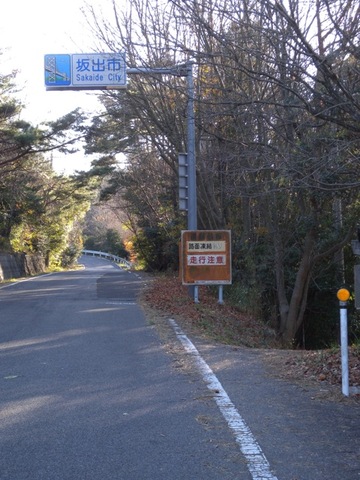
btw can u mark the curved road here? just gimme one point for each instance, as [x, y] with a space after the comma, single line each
[88, 392]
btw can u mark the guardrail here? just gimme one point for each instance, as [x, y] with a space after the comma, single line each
[109, 256]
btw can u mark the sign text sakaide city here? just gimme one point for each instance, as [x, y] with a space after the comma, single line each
[85, 71]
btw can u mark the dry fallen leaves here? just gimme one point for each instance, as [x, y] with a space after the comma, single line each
[223, 323]
[227, 324]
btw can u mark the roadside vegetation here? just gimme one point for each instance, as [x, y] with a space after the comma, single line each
[277, 146]
[40, 211]
[277, 108]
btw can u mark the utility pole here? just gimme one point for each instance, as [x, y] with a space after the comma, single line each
[191, 156]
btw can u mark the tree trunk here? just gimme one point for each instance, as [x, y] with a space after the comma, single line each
[280, 281]
[295, 314]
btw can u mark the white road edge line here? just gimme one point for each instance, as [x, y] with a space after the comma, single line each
[257, 463]
[15, 282]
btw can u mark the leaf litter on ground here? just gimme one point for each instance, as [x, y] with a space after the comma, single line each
[229, 325]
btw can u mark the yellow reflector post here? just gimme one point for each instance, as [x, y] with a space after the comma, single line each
[343, 295]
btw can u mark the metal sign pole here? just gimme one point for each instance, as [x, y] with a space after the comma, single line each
[192, 200]
[192, 205]
[185, 70]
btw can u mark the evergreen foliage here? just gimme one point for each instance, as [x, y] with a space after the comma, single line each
[108, 241]
[40, 211]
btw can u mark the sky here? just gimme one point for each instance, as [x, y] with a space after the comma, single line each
[29, 29]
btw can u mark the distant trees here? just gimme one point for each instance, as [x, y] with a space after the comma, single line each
[107, 240]
[99, 236]
[278, 137]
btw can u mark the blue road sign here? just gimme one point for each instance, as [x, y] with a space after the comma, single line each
[85, 71]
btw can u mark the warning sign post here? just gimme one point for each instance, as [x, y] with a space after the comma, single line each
[206, 257]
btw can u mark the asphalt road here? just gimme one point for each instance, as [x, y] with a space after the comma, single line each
[90, 391]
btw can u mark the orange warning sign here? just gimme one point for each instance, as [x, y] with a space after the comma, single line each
[206, 257]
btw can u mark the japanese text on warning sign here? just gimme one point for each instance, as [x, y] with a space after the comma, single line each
[206, 257]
